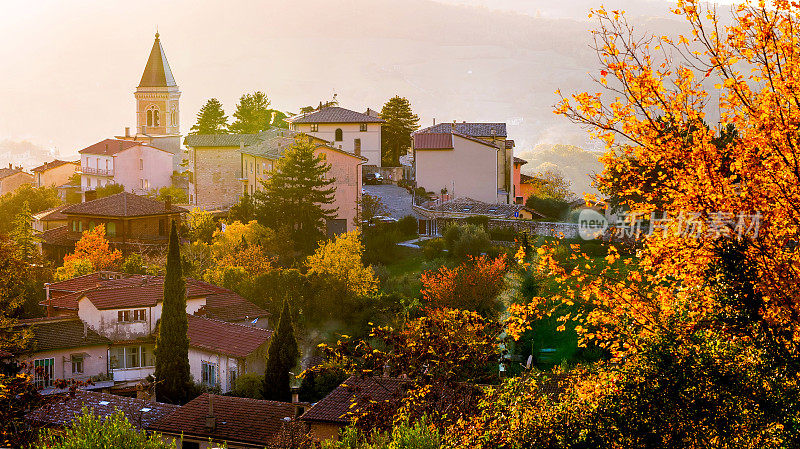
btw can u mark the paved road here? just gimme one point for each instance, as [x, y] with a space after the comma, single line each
[396, 199]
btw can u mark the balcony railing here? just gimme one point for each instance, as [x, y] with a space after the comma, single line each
[97, 171]
[130, 374]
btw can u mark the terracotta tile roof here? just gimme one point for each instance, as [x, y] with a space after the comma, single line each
[53, 214]
[122, 204]
[60, 236]
[235, 340]
[433, 141]
[113, 289]
[237, 420]
[335, 114]
[524, 179]
[519, 161]
[6, 172]
[87, 281]
[469, 129]
[221, 140]
[61, 411]
[51, 165]
[109, 147]
[469, 206]
[336, 406]
[62, 333]
[277, 140]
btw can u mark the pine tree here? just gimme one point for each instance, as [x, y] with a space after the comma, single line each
[253, 114]
[396, 132]
[173, 382]
[211, 119]
[22, 233]
[294, 198]
[282, 356]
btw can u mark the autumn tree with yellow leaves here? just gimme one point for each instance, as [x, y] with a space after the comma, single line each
[701, 317]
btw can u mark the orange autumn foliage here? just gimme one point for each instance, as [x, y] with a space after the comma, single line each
[94, 247]
[473, 285]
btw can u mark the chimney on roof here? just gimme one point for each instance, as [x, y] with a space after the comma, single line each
[434, 121]
[48, 300]
[299, 408]
[211, 421]
[127, 131]
[10, 166]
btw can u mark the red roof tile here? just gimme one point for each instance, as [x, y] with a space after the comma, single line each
[61, 412]
[433, 141]
[123, 204]
[53, 214]
[51, 165]
[337, 407]
[237, 420]
[335, 114]
[109, 147]
[60, 236]
[235, 340]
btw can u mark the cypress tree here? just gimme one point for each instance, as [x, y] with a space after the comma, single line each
[173, 381]
[281, 358]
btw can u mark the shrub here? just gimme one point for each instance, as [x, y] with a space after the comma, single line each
[407, 226]
[433, 249]
[479, 220]
[471, 241]
[248, 386]
[552, 209]
[320, 380]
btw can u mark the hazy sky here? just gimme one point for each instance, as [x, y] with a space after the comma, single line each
[70, 68]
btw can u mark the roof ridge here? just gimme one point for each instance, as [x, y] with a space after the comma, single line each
[229, 323]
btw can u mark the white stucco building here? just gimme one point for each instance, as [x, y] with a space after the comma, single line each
[354, 132]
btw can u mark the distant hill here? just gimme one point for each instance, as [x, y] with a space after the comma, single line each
[575, 163]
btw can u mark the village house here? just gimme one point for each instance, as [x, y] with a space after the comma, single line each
[63, 348]
[137, 166]
[240, 423]
[519, 195]
[354, 132]
[258, 161]
[132, 223]
[215, 161]
[226, 166]
[12, 178]
[49, 219]
[336, 410]
[465, 160]
[61, 411]
[433, 215]
[125, 309]
[54, 173]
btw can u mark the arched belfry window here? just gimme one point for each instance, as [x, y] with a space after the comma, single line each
[152, 116]
[338, 135]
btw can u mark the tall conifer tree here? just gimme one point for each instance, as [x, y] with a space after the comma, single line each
[296, 196]
[211, 119]
[173, 382]
[281, 358]
[396, 132]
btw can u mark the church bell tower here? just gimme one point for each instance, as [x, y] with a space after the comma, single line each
[157, 103]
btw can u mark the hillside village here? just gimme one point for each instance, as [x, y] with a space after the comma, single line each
[97, 334]
[339, 278]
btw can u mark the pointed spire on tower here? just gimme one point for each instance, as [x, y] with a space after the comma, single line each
[157, 72]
